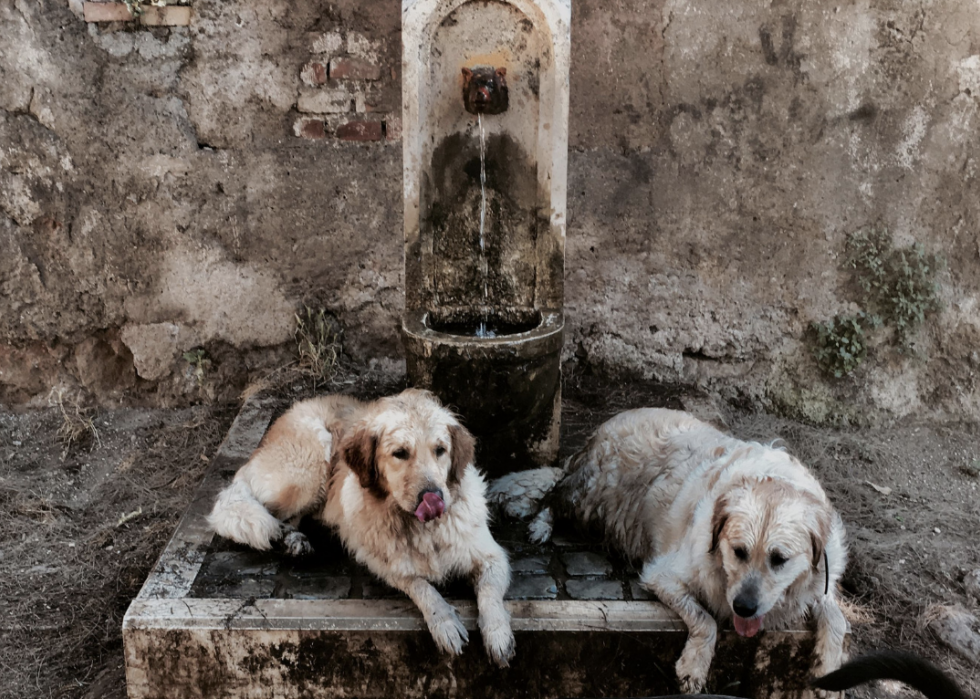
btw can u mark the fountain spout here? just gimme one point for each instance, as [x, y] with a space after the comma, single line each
[485, 90]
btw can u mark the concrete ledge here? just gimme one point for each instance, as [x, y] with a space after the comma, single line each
[180, 644]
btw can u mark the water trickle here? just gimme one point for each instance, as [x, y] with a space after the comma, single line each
[482, 330]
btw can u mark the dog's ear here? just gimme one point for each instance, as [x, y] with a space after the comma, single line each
[463, 452]
[718, 521]
[360, 450]
[819, 532]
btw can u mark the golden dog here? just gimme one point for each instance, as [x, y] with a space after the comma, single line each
[738, 527]
[395, 478]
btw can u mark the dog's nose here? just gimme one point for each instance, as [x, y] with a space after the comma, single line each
[437, 491]
[745, 606]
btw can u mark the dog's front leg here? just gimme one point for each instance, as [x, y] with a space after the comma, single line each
[441, 617]
[492, 578]
[831, 627]
[692, 667]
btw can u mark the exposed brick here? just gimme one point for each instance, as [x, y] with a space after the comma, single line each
[169, 16]
[353, 69]
[360, 131]
[324, 102]
[393, 129]
[309, 128]
[314, 73]
[107, 12]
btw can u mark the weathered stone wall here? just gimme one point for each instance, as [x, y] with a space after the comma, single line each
[163, 189]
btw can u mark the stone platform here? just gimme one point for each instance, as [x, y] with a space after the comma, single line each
[218, 620]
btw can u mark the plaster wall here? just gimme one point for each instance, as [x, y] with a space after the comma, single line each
[168, 188]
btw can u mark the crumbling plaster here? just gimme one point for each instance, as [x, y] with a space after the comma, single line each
[721, 154]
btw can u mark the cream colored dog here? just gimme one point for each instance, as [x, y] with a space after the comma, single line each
[738, 527]
[396, 479]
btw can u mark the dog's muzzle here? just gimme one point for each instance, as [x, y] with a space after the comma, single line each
[745, 607]
[431, 505]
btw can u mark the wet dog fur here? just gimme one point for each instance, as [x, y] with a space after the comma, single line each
[724, 529]
[396, 479]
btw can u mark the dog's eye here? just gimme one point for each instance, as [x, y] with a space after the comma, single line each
[776, 559]
[741, 553]
[400, 454]
[440, 450]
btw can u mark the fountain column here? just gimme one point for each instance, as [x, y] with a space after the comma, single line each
[505, 383]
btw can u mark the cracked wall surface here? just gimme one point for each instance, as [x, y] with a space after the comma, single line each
[163, 189]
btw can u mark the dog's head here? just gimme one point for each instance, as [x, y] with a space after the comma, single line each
[410, 451]
[767, 536]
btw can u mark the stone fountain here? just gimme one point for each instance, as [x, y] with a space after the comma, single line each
[485, 124]
[485, 115]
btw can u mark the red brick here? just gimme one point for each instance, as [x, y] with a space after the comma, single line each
[353, 69]
[309, 128]
[106, 12]
[360, 131]
[314, 73]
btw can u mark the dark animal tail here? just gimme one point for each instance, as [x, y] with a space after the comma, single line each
[893, 665]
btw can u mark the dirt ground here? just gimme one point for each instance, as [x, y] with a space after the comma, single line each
[81, 525]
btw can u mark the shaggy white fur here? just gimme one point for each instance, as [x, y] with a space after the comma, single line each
[738, 527]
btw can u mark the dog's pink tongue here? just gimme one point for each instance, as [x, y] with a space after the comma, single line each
[748, 627]
[430, 508]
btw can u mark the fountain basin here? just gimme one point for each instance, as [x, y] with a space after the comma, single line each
[506, 389]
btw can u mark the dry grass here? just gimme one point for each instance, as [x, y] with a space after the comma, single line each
[317, 344]
[77, 428]
[79, 536]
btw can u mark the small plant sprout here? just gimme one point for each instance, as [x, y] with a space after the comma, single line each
[841, 346]
[317, 344]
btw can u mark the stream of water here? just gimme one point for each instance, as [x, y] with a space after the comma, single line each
[482, 330]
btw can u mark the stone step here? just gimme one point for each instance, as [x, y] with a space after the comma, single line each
[217, 620]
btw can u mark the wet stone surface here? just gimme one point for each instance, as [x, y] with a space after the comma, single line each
[638, 592]
[601, 589]
[571, 567]
[531, 565]
[532, 587]
[583, 563]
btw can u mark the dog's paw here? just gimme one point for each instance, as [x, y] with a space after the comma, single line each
[539, 531]
[297, 544]
[448, 631]
[692, 671]
[498, 639]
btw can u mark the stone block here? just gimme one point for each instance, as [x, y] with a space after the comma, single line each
[324, 101]
[530, 565]
[583, 563]
[315, 587]
[585, 589]
[532, 587]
